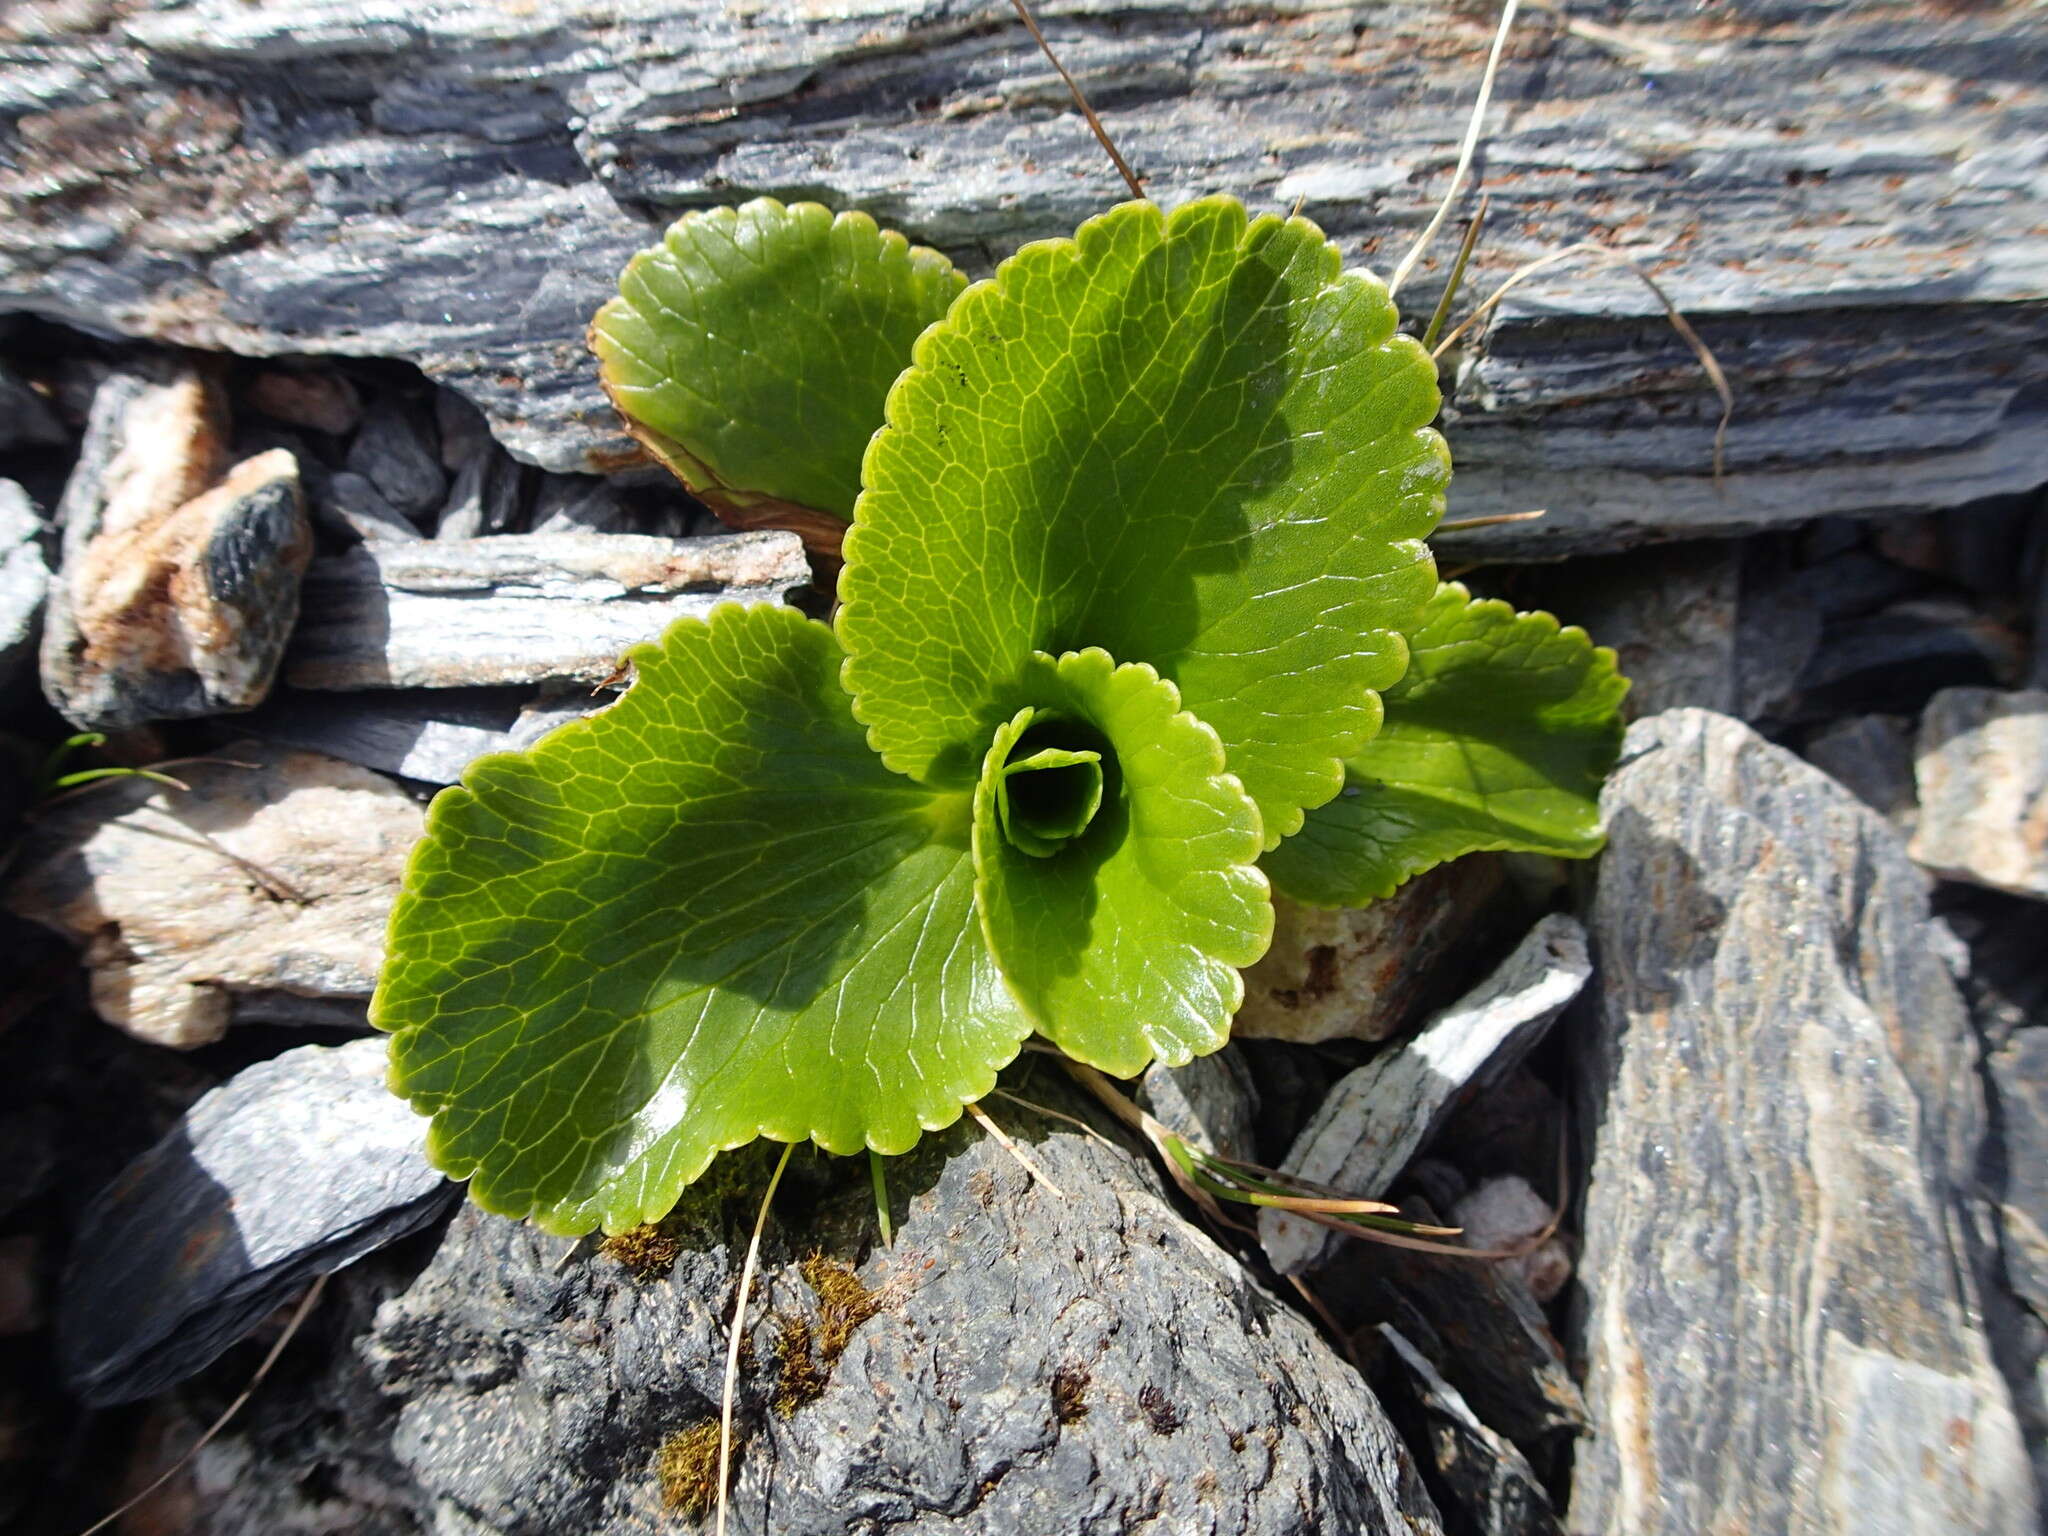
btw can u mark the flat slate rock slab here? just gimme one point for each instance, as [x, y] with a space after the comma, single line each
[1849, 212]
[1781, 1324]
[519, 608]
[294, 1168]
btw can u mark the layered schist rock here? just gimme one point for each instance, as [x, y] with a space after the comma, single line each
[1781, 1320]
[1846, 210]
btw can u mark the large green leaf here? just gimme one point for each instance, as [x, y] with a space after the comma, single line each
[1124, 942]
[752, 349]
[1192, 441]
[704, 915]
[1498, 738]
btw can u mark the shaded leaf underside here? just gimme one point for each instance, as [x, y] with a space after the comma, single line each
[705, 915]
[1192, 442]
[1498, 738]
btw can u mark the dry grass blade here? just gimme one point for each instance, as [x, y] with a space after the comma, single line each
[1465, 151]
[738, 1335]
[1466, 246]
[1101, 133]
[1709, 364]
[1459, 524]
[305, 1309]
[1009, 1146]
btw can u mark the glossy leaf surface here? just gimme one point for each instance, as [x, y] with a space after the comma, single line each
[1124, 944]
[1191, 441]
[752, 349]
[705, 915]
[1498, 738]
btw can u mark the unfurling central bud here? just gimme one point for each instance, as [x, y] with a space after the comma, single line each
[1046, 793]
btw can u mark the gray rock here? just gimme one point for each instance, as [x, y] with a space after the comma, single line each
[1212, 1100]
[459, 185]
[274, 875]
[552, 710]
[24, 582]
[1361, 973]
[1474, 1320]
[26, 420]
[1086, 1363]
[1379, 1116]
[488, 497]
[430, 735]
[1482, 1483]
[1871, 756]
[1668, 614]
[1507, 1213]
[350, 506]
[1892, 660]
[586, 504]
[521, 608]
[291, 1170]
[1777, 632]
[1780, 1312]
[2019, 1075]
[395, 451]
[1981, 763]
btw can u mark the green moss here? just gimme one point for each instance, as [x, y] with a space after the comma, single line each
[687, 1465]
[799, 1378]
[843, 1304]
[646, 1252]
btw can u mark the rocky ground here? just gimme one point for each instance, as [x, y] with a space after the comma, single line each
[304, 494]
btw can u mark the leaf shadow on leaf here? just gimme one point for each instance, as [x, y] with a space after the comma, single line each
[1123, 443]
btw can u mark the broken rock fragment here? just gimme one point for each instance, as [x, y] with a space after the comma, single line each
[262, 891]
[1354, 973]
[520, 608]
[176, 593]
[1982, 766]
[1377, 1117]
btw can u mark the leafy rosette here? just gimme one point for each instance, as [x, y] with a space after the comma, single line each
[1136, 534]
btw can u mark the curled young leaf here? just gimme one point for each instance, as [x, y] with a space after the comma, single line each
[1499, 737]
[1190, 440]
[1123, 935]
[751, 350]
[705, 915]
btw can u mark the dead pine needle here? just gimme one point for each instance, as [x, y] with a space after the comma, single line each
[1593, 251]
[1095, 127]
[739, 1333]
[1466, 150]
[305, 1308]
[1013, 1149]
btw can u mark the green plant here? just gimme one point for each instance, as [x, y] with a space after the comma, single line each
[1133, 570]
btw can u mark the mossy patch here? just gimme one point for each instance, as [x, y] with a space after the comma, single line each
[799, 1378]
[645, 1252]
[844, 1303]
[687, 1465]
[1070, 1393]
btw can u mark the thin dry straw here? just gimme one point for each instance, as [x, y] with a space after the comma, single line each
[1465, 151]
[1094, 123]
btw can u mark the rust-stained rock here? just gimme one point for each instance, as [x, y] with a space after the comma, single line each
[519, 608]
[1355, 973]
[263, 880]
[176, 594]
[1781, 1317]
[318, 398]
[1982, 767]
